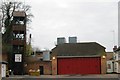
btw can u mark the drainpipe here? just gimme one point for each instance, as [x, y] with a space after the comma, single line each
[113, 67]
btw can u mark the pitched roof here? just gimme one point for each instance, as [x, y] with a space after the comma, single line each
[79, 49]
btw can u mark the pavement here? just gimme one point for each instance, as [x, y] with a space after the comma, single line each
[78, 76]
[68, 76]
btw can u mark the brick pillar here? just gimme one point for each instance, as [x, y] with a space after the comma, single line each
[103, 65]
[54, 66]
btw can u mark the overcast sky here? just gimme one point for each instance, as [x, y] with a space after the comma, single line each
[88, 20]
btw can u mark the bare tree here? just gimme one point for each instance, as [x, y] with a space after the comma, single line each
[6, 18]
[6, 12]
[7, 9]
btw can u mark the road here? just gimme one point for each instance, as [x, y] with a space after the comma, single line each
[62, 79]
[65, 77]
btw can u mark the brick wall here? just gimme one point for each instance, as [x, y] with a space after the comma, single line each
[103, 66]
[35, 66]
[54, 66]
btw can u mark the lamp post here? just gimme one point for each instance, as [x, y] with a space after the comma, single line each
[113, 33]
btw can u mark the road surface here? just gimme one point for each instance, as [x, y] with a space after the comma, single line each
[65, 77]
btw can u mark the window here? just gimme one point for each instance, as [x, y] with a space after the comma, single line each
[18, 48]
[18, 35]
[109, 66]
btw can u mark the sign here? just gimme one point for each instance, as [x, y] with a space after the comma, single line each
[18, 57]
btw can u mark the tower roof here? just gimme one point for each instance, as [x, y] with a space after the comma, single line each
[19, 14]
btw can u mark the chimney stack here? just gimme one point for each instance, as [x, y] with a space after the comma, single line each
[115, 48]
[72, 39]
[61, 40]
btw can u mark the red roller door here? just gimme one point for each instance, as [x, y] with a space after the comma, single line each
[85, 65]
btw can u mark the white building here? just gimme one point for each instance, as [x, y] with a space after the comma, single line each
[117, 61]
[117, 52]
[110, 66]
[109, 59]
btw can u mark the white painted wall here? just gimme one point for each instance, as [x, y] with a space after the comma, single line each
[109, 67]
[116, 67]
[117, 62]
[115, 57]
[3, 70]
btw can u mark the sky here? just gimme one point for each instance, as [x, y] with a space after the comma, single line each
[88, 20]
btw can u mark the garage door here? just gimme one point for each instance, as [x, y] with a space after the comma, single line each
[84, 65]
